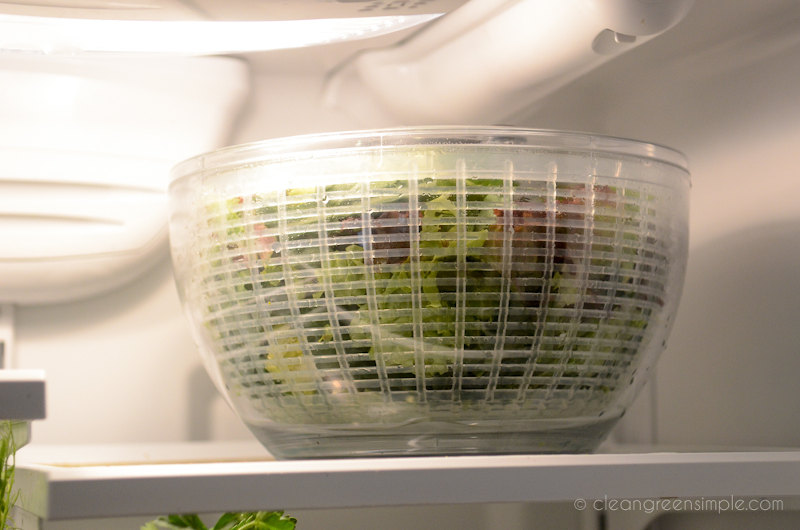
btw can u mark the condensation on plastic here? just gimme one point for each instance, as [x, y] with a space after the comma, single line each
[431, 291]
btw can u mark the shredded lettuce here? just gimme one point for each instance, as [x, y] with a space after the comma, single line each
[414, 283]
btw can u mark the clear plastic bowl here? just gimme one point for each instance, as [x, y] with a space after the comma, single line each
[433, 290]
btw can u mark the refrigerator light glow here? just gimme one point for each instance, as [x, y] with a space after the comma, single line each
[73, 36]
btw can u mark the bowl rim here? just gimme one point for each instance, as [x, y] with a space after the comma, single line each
[301, 146]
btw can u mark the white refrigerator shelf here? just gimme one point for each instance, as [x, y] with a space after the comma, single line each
[110, 481]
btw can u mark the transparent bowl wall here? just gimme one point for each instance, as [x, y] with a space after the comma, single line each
[431, 291]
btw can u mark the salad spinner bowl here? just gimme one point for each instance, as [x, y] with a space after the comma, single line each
[433, 290]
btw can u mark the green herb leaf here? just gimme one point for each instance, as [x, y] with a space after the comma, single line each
[272, 520]
[8, 496]
[176, 521]
[225, 520]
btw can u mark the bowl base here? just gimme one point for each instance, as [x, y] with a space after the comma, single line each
[427, 438]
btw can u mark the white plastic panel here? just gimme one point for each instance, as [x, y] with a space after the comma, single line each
[7, 337]
[86, 146]
[22, 395]
[70, 36]
[228, 10]
[205, 27]
[318, 9]
[121, 9]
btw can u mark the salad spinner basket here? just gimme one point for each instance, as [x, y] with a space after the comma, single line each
[433, 290]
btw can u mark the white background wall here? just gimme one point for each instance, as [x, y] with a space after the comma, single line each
[721, 93]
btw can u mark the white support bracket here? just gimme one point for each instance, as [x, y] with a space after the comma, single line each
[22, 395]
[7, 347]
[482, 63]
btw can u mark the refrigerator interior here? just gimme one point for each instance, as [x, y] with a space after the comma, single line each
[720, 87]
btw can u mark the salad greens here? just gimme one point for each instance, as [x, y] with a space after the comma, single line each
[274, 520]
[468, 289]
[7, 470]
